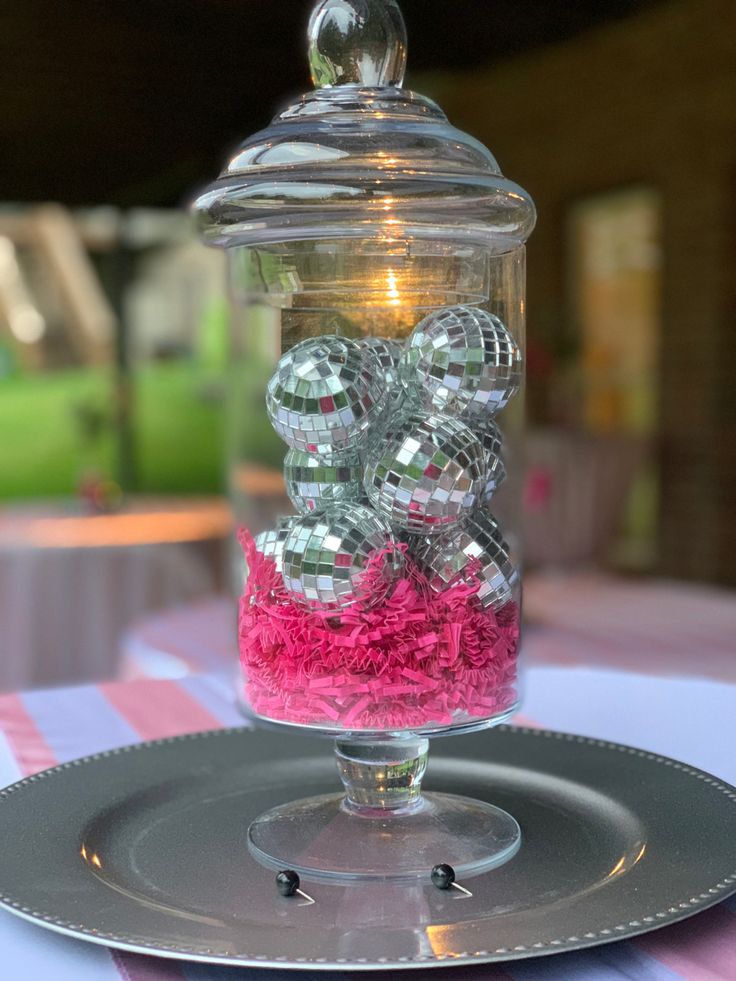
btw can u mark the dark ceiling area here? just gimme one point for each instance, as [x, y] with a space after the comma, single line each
[135, 102]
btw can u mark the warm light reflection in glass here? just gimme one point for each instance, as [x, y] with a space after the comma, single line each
[392, 290]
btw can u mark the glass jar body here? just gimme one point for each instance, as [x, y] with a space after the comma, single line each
[339, 631]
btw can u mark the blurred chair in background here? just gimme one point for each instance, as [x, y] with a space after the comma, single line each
[578, 486]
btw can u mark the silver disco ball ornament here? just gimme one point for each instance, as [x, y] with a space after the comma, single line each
[326, 553]
[445, 560]
[425, 473]
[402, 402]
[325, 394]
[388, 353]
[312, 482]
[491, 440]
[403, 399]
[271, 543]
[464, 360]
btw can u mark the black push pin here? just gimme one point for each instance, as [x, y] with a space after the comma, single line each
[443, 877]
[288, 882]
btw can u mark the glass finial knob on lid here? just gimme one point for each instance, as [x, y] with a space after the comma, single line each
[322, 169]
[357, 42]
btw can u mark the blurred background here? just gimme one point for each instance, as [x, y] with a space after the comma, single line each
[618, 116]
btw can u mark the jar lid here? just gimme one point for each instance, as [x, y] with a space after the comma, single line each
[362, 157]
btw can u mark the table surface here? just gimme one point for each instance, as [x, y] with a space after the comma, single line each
[139, 521]
[688, 717]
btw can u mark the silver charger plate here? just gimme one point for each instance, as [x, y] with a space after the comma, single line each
[144, 849]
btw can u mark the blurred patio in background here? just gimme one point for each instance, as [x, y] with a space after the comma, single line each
[115, 529]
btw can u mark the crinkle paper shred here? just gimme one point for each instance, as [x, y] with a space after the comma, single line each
[418, 659]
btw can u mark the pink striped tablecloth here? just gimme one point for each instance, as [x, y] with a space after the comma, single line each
[690, 718]
[648, 626]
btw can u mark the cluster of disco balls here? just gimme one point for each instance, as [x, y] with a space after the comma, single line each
[394, 442]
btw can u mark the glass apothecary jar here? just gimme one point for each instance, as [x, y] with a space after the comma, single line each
[376, 259]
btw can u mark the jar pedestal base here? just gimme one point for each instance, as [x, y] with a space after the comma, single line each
[325, 838]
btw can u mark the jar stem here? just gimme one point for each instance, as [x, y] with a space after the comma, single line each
[385, 774]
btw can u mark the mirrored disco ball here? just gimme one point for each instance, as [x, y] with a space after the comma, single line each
[491, 440]
[425, 473]
[402, 401]
[465, 361]
[326, 552]
[388, 353]
[325, 394]
[271, 543]
[312, 482]
[445, 560]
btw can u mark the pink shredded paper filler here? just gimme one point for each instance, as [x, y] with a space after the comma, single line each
[417, 659]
